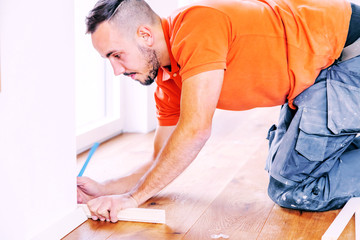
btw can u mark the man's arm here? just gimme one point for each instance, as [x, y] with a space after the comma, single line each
[199, 98]
[125, 184]
[89, 189]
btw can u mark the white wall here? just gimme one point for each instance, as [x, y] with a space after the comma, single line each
[37, 123]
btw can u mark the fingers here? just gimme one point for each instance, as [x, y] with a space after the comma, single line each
[82, 197]
[81, 181]
[107, 208]
[100, 208]
[103, 214]
[88, 189]
[114, 215]
[96, 208]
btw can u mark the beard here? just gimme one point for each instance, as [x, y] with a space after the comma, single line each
[152, 63]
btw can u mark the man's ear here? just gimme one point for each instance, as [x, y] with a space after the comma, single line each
[145, 35]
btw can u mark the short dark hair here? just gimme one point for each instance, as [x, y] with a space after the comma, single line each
[102, 11]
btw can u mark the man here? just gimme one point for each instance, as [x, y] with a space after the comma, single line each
[238, 55]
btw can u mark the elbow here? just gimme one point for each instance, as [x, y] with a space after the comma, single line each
[196, 128]
[201, 133]
[205, 134]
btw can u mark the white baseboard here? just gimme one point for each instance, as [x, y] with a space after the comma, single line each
[63, 227]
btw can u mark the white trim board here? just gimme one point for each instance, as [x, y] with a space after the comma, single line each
[63, 227]
[338, 225]
[135, 214]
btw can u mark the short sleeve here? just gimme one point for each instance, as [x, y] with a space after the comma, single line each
[200, 42]
[167, 98]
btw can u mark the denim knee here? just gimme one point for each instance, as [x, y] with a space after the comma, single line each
[308, 197]
[276, 192]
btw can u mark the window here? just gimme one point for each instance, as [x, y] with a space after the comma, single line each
[106, 105]
[97, 90]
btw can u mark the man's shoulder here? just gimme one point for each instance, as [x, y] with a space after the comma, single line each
[198, 11]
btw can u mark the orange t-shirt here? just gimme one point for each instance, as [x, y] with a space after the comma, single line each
[271, 50]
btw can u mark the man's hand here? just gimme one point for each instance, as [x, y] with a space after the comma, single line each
[88, 189]
[108, 207]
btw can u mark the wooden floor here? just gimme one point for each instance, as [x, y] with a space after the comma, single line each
[224, 191]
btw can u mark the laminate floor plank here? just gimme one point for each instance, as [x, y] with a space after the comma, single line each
[195, 190]
[118, 156]
[188, 197]
[298, 225]
[222, 192]
[92, 230]
[241, 210]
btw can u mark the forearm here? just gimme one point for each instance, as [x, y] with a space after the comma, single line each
[126, 183]
[180, 150]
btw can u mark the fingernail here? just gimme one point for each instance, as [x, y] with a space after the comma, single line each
[94, 218]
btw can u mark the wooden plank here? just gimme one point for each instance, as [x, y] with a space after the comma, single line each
[215, 168]
[357, 224]
[135, 214]
[285, 223]
[94, 230]
[118, 157]
[243, 206]
[189, 196]
[132, 231]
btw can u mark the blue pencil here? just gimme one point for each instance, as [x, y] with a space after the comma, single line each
[92, 150]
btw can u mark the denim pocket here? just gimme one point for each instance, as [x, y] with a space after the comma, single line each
[313, 135]
[316, 147]
[311, 146]
[343, 107]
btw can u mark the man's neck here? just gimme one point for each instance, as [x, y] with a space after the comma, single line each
[161, 47]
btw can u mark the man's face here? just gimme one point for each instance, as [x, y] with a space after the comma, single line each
[128, 57]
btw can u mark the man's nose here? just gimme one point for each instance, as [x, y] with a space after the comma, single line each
[118, 68]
